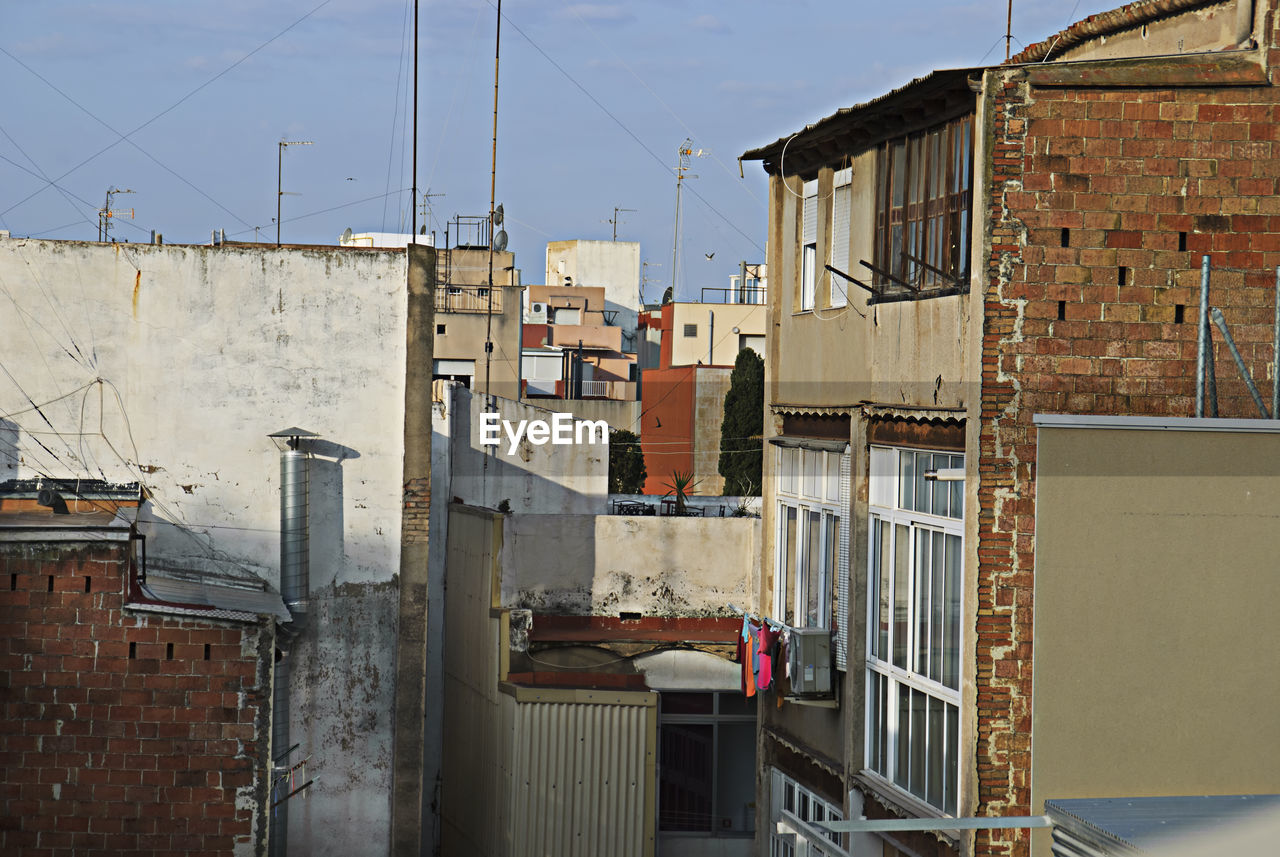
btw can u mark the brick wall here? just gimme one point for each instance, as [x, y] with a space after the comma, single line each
[124, 732]
[1103, 201]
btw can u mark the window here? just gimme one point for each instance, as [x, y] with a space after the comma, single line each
[794, 810]
[809, 536]
[923, 194]
[690, 330]
[809, 246]
[706, 779]
[841, 199]
[914, 573]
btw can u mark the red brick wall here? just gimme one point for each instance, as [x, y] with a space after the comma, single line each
[108, 753]
[1133, 175]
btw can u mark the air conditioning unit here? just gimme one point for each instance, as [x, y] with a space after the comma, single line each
[537, 312]
[810, 662]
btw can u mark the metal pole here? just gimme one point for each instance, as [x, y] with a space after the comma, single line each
[413, 201]
[1213, 379]
[1203, 334]
[1244, 371]
[493, 179]
[279, 191]
[875, 825]
[1275, 356]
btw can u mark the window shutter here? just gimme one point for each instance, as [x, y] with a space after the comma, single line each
[840, 202]
[842, 572]
[810, 212]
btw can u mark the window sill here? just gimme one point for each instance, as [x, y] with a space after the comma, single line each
[903, 803]
[812, 702]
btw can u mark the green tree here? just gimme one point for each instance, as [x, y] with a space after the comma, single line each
[626, 463]
[741, 433]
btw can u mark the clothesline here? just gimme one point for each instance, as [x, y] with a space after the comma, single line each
[763, 620]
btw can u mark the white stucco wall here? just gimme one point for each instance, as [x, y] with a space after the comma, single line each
[566, 478]
[609, 564]
[211, 349]
[615, 265]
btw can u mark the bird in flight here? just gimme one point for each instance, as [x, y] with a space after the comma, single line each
[710, 255]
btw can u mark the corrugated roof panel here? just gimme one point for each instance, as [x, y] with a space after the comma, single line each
[1121, 826]
[194, 593]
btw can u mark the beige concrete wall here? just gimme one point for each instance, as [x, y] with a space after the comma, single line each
[913, 352]
[585, 565]
[690, 350]
[465, 335]
[619, 415]
[1212, 28]
[568, 478]
[1155, 613]
[473, 810]
[711, 385]
[615, 265]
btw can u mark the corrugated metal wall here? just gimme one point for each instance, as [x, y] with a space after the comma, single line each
[582, 777]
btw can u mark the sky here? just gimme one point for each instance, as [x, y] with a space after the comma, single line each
[185, 105]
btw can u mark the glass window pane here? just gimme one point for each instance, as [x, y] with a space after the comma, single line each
[923, 490]
[883, 574]
[949, 801]
[735, 777]
[956, 506]
[874, 722]
[813, 583]
[906, 480]
[685, 753]
[735, 705]
[902, 767]
[951, 651]
[883, 720]
[937, 601]
[935, 771]
[901, 593]
[918, 742]
[788, 563]
[686, 703]
[789, 796]
[833, 477]
[790, 470]
[924, 539]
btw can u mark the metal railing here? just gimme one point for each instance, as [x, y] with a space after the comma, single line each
[595, 389]
[468, 299]
[750, 295]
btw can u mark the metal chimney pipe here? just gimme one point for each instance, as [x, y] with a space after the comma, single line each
[295, 555]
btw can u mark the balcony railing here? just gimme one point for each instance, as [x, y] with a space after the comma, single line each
[468, 299]
[749, 295]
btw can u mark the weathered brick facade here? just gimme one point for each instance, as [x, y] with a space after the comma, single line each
[1102, 201]
[124, 732]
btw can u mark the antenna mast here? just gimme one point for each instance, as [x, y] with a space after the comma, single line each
[493, 179]
[413, 198]
[682, 165]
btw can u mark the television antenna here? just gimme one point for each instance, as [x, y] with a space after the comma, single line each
[107, 213]
[685, 153]
[615, 220]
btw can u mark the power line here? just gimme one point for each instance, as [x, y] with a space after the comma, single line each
[628, 131]
[167, 110]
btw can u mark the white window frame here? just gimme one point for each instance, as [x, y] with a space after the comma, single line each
[809, 245]
[891, 506]
[793, 812]
[808, 483]
[841, 218]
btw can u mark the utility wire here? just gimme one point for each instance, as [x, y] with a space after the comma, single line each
[167, 110]
[628, 131]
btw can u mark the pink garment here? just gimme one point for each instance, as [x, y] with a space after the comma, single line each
[766, 639]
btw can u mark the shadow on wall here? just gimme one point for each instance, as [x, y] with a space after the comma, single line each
[326, 500]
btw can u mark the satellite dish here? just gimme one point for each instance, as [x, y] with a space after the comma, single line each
[500, 240]
[346, 235]
[497, 215]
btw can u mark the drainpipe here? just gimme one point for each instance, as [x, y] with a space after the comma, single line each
[711, 337]
[294, 589]
[1203, 345]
